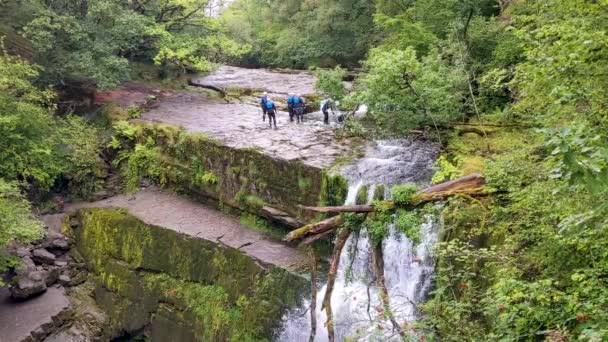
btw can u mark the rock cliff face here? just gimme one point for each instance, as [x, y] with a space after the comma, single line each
[243, 178]
[172, 287]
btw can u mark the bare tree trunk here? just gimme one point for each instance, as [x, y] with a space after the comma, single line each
[84, 8]
[331, 280]
[380, 281]
[313, 289]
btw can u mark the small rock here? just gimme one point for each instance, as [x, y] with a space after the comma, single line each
[61, 263]
[24, 287]
[43, 256]
[26, 267]
[61, 244]
[23, 252]
[51, 276]
[64, 280]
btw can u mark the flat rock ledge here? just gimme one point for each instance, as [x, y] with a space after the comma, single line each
[165, 209]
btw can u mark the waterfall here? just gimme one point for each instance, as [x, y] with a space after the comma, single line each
[408, 267]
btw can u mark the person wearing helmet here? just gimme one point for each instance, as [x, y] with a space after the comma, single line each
[290, 106]
[326, 106]
[298, 107]
[263, 101]
[271, 110]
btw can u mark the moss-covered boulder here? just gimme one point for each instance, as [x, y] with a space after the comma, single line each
[175, 287]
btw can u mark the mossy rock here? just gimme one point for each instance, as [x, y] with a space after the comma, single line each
[150, 275]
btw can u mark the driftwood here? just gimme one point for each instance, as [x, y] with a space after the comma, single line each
[331, 280]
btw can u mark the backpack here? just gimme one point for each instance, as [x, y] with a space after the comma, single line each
[290, 100]
[297, 100]
[269, 105]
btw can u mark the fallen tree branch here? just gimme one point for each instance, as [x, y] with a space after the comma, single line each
[331, 280]
[468, 186]
[208, 86]
[315, 228]
[472, 181]
[341, 209]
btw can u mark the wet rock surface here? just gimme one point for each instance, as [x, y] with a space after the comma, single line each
[240, 125]
[275, 82]
[170, 211]
[34, 319]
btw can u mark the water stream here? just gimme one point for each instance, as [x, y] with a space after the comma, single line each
[408, 267]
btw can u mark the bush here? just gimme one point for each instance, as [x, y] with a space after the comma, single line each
[330, 82]
[402, 194]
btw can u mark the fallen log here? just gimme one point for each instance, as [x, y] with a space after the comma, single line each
[331, 280]
[469, 186]
[207, 86]
[472, 181]
[309, 240]
[315, 228]
[341, 209]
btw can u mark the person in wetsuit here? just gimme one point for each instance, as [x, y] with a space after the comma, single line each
[298, 108]
[271, 110]
[290, 107]
[326, 106]
[263, 101]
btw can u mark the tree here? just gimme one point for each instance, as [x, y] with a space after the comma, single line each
[404, 93]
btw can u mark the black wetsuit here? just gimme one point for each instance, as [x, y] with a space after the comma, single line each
[290, 108]
[298, 108]
[263, 101]
[325, 109]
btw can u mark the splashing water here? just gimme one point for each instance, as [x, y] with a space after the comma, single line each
[408, 268]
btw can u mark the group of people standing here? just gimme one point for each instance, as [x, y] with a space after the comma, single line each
[295, 105]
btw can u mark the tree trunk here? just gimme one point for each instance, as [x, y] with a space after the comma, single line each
[380, 281]
[331, 280]
[315, 228]
[84, 8]
[313, 293]
[471, 185]
[341, 209]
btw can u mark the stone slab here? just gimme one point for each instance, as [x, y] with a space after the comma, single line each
[165, 209]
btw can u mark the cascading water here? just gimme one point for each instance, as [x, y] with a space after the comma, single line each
[408, 267]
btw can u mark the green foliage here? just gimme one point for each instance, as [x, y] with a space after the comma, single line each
[403, 194]
[302, 33]
[447, 171]
[17, 223]
[409, 222]
[330, 82]
[99, 39]
[404, 92]
[134, 112]
[36, 147]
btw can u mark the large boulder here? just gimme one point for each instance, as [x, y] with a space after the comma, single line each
[42, 256]
[24, 287]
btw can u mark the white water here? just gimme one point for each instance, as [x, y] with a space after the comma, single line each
[408, 268]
